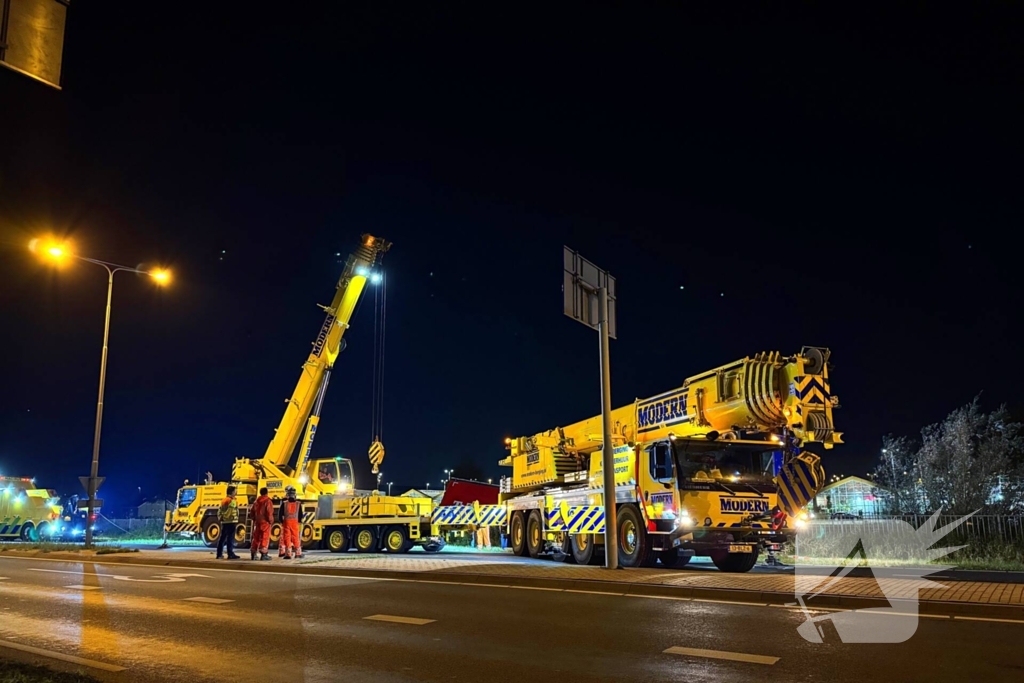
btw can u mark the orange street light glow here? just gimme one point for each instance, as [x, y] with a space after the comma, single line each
[161, 276]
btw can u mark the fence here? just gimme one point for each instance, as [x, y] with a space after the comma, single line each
[979, 527]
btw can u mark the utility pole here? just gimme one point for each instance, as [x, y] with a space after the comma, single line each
[589, 297]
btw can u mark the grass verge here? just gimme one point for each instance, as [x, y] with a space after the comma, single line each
[18, 672]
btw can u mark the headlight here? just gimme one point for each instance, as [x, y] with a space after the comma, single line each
[799, 523]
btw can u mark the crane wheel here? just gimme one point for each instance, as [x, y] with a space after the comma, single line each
[211, 532]
[396, 539]
[634, 542]
[583, 548]
[518, 534]
[240, 536]
[337, 539]
[306, 536]
[29, 533]
[671, 558]
[366, 539]
[275, 536]
[534, 534]
[735, 563]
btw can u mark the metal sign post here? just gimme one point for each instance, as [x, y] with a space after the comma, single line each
[589, 297]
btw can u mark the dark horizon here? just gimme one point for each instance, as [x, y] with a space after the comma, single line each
[755, 181]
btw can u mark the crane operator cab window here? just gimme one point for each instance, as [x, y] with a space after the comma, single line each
[328, 473]
[660, 461]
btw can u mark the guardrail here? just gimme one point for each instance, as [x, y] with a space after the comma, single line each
[994, 527]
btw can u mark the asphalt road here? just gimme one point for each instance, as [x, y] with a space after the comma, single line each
[179, 624]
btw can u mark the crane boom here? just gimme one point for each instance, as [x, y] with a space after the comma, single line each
[326, 347]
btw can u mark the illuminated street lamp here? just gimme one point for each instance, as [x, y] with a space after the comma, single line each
[389, 487]
[58, 252]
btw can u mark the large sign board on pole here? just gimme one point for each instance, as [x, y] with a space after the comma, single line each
[589, 297]
[32, 38]
[581, 281]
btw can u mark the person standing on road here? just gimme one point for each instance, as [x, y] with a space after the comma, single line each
[290, 512]
[227, 515]
[262, 512]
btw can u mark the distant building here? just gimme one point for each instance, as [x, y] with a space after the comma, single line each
[154, 509]
[854, 496]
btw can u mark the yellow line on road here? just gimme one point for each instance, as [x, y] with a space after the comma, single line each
[1001, 621]
[211, 601]
[63, 657]
[400, 620]
[719, 654]
[84, 588]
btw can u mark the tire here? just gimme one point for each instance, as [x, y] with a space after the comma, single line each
[43, 531]
[211, 532]
[29, 533]
[735, 563]
[534, 534]
[566, 550]
[337, 539]
[365, 539]
[518, 534]
[306, 539]
[671, 558]
[240, 536]
[634, 542]
[396, 539]
[275, 536]
[583, 548]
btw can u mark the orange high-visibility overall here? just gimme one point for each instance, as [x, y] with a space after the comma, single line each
[262, 517]
[291, 542]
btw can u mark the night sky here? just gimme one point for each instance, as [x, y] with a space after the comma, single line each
[755, 181]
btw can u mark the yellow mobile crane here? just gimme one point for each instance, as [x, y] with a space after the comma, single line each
[196, 509]
[713, 468]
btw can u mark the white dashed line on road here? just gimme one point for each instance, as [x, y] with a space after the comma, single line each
[731, 602]
[719, 654]
[400, 620]
[211, 601]
[102, 666]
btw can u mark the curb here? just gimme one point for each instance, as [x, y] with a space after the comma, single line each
[605, 586]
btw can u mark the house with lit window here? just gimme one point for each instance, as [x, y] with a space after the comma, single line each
[851, 496]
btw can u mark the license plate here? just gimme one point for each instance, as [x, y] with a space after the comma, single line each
[740, 548]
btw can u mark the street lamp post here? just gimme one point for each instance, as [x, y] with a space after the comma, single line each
[57, 252]
[389, 487]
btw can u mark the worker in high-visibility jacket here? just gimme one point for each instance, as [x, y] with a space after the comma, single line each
[262, 513]
[290, 512]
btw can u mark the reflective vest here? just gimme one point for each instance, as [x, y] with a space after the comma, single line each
[228, 512]
[290, 510]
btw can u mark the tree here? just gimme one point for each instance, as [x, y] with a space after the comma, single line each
[970, 455]
[897, 473]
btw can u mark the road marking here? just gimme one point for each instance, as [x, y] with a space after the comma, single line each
[63, 657]
[568, 590]
[212, 601]
[659, 597]
[3, 578]
[160, 578]
[812, 609]
[84, 588]
[537, 588]
[1001, 621]
[400, 620]
[732, 602]
[902, 614]
[719, 654]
